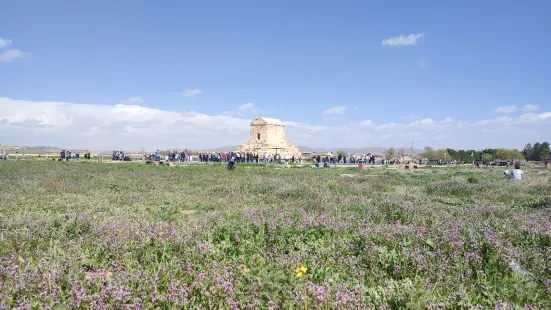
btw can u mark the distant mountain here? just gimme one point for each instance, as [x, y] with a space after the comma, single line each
[382, 150]
[35, 149]
[30, 149]
[365, 150]
[224, 149]
[306, 149]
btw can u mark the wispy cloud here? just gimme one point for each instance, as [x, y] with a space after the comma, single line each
[530, 108]
[132, 100]
[7, 55]
[189, 92]
[247, 108]
[410, 117]
[335, 110]
[4, 42]
[447, 120]
[368, 123]
[403, 40]
[387, 126]
[425, 121]
[332, 118]
[508, 109]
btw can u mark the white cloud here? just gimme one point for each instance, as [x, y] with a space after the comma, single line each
[103, 127]
[335, 110]
[423, 122]
[502, 120]
[132, 100]
[4, 42]
[247, 108]
[11, 55]
[447, 120]
[8, 55]
[133, 127]
[367, 123]
[403, 40]
[533, 118]
[189, 92]
[530, 108]
[506, 109]
[387, 126]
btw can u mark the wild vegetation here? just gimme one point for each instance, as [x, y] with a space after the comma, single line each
[111, 236]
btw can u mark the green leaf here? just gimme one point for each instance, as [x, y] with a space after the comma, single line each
[430, 243]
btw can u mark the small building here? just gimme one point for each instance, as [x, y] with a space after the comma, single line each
[268, 136]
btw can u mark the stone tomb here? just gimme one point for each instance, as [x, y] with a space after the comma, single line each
[268, 136]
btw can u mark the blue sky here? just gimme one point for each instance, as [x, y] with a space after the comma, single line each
[299, 61]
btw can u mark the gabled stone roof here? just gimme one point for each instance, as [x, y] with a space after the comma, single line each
[269, 121]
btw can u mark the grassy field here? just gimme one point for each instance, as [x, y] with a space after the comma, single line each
[106, 236]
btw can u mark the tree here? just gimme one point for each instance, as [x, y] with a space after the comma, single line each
[390, 153]
[342, 153]
[502, 154]
[487, 157]
[462, 156]
[429, 152]
[490, 151]
[402, 153]
[544, 151]
[442, 154]
[528, 151]
[453, 154]
[517, 155]
[535, 151]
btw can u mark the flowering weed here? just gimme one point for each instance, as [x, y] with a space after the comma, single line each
[86, 235]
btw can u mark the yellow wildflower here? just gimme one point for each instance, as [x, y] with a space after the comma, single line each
[300, 271]
[246, 269]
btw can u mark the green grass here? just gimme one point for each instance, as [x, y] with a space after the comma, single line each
[88, 235]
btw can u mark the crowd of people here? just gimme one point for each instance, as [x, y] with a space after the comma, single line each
[219, 157]
[243, 157]
[213, 157]
[66, 155]
[5, 155]
[120, 156]
[332, 159]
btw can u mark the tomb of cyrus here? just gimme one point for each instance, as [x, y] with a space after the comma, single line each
[268, 136]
